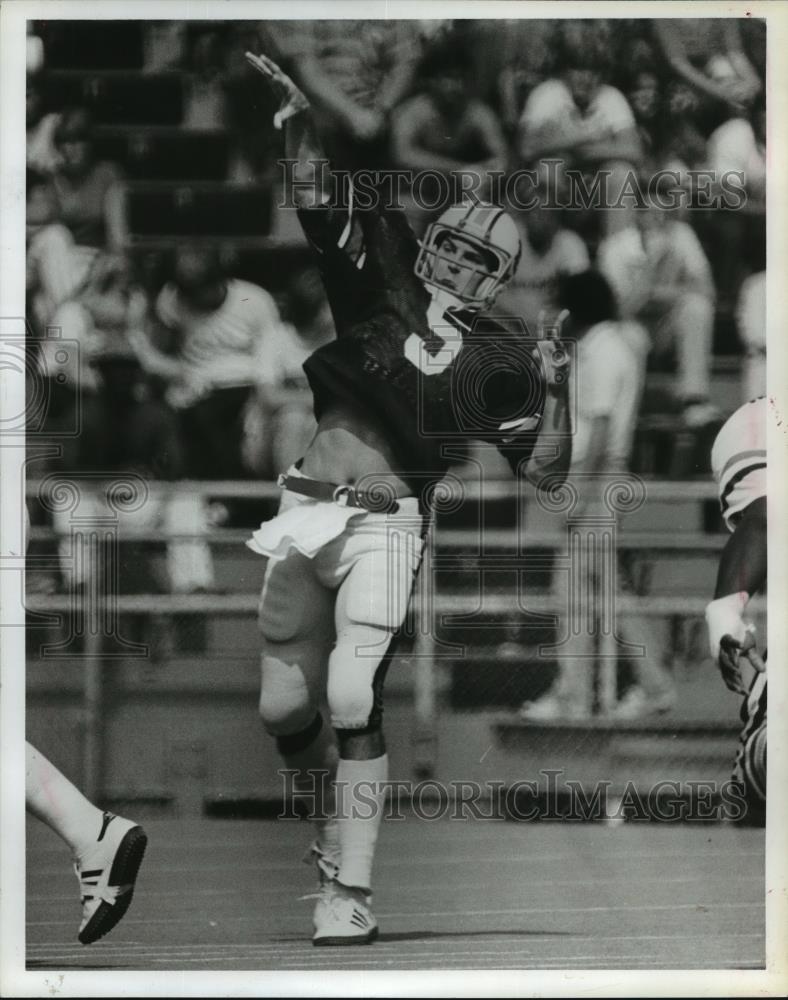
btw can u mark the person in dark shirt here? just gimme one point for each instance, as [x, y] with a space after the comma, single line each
[410, 372]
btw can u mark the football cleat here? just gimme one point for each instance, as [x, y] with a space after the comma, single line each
[107, 873]
[342, 917]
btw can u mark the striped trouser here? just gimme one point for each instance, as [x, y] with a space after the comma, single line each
[749, 769]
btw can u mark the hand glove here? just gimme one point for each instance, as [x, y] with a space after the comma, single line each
[730, 637]
[291, 97]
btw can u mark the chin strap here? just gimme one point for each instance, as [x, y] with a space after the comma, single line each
[461, 317]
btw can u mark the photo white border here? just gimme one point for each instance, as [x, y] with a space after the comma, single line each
[14, 979]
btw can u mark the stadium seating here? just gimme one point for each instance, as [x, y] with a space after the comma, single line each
[165, 153]
[94, 45]
[118, 97]
[198, 209]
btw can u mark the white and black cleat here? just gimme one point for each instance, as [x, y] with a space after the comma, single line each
[107, 874]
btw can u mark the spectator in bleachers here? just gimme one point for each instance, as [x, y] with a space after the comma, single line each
[609, 375]
[709, 55]
[682, 145]
[664, 112]
[739, 144]
[354, 73]
[285, 418]
[79, 213]
[86, 191]
[578, 118]
[124, 426]
[548, 252]
[211, 347]
[205, 101]
[216, 332]
[42, 156]
[523, 51]
[662, 278]
[444, 129]
[644, 96]
[164, 46]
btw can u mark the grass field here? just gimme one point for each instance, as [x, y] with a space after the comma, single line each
[224, 895]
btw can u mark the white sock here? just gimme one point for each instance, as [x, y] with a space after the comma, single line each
[317, 788]
[361, 795]
[51, 797]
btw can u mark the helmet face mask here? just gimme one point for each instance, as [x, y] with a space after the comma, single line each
[470, 252]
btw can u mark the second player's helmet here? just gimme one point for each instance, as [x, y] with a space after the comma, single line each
[491, 232]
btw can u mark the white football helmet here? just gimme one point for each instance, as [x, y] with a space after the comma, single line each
[493, 236]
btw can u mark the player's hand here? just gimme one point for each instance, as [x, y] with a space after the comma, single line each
[554, 356]
[292, 99]
[729, 660]
[730, 638]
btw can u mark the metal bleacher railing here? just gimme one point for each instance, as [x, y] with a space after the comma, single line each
[441, 598]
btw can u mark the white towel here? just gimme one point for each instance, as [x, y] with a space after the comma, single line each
[303, 523]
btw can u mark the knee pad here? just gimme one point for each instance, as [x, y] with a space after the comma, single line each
[355, 683]
[350, 700]
[285, 611]
[285, 705]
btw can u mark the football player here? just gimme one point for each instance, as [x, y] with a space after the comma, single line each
[738, 460]
[410, 370]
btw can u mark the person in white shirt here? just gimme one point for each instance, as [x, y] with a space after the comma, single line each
[218, 329]
[548, 252]
[585, 122]
[662, 277]
[737, 146]
[41, 151]
[610, 371]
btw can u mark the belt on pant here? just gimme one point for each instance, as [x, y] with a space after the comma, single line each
[377, 501]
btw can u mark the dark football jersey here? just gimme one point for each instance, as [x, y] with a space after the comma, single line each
[466, 378]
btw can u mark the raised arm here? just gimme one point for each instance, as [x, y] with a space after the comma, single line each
[302, 144]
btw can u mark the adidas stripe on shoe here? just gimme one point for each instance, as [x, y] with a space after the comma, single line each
[107, 875]
[343, 917]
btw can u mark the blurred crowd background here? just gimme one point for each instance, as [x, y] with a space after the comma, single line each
[155, 245]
